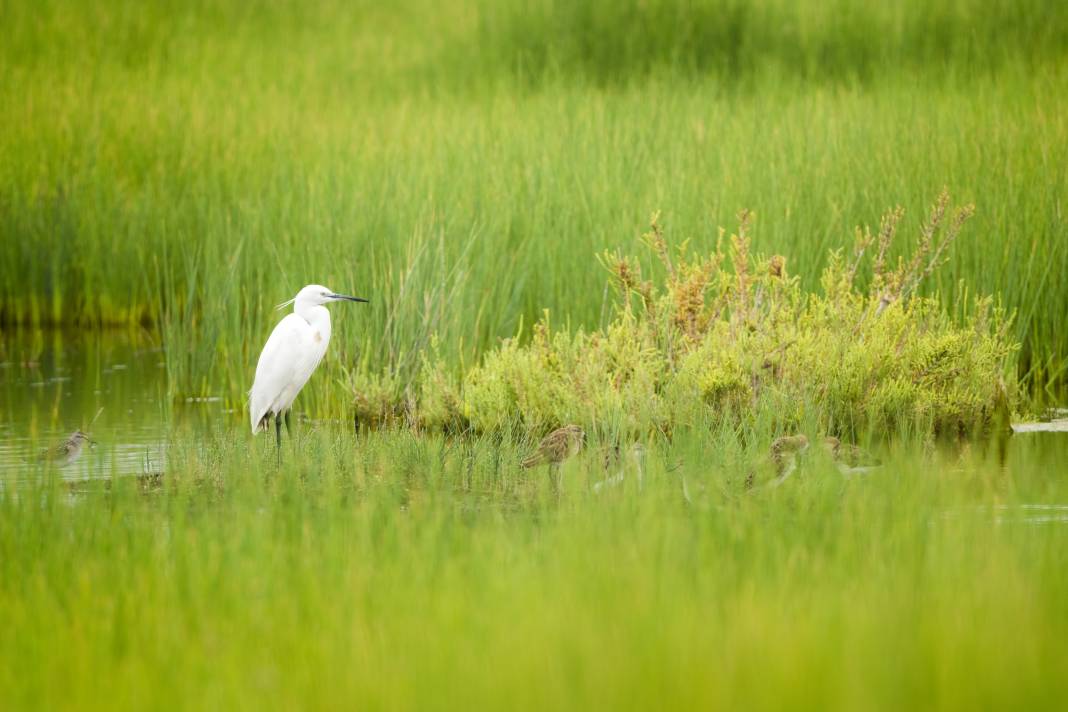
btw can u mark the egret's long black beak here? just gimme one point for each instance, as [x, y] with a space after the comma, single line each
[348, 298]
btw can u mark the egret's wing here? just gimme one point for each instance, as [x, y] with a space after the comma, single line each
[278, 365]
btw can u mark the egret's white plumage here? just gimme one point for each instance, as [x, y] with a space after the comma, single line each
[291, 355]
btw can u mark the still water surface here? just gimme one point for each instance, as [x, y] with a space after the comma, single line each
[111, 384]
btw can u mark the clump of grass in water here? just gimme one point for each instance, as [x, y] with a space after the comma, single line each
[731, 335]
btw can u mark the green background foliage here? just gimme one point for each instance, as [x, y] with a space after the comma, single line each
[192, 164]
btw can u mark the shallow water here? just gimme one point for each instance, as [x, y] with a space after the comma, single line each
[1059, 425]
[111, 384]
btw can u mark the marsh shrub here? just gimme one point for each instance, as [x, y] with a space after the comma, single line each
[731, 335]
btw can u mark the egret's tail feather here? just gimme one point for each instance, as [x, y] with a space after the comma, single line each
[263, 423]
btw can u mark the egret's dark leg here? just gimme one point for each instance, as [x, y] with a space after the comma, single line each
[278, 434]
[289, 426]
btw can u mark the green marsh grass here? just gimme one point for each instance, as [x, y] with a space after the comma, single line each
[189, 167]
[418, 572]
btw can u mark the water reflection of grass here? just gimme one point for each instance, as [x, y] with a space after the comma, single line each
[418, 572]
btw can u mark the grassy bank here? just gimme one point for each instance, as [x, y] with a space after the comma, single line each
[193, 166]
[422, 573]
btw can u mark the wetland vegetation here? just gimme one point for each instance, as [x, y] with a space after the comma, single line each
[485, 172]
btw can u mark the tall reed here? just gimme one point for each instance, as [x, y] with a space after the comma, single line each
[191, 168]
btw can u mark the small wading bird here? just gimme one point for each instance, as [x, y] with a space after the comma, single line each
[784, 452]
[69, 451]
[557, 446]
[616, 460]
[782, 459]
[849, 458]
[290, 356]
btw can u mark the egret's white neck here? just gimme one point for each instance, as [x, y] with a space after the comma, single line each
[314, 314]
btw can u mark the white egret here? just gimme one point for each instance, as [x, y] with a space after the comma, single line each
[290, 356]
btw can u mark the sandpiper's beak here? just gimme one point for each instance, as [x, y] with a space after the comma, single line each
[92, 443]
[343, 297]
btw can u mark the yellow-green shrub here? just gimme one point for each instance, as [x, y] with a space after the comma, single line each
[730, 335]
